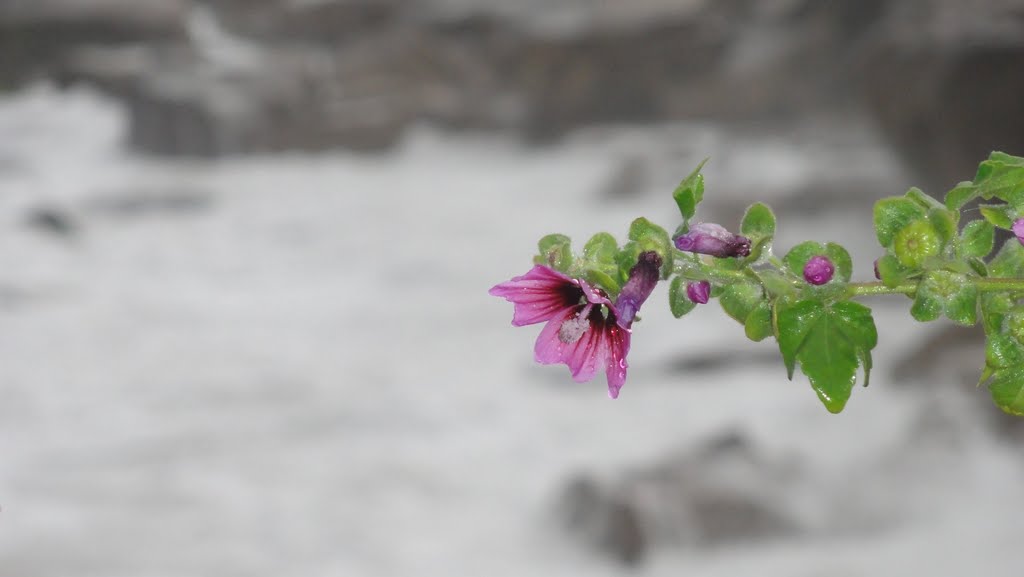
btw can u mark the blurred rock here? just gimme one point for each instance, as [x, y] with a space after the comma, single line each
[52, 220]
[37, 36]
[943, 79]
[722, 493]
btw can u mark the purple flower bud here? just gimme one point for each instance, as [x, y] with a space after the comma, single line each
[818, 270]
[642, 279]
[1018, 229]
[878, 275]
[699, 291]
[713, 239]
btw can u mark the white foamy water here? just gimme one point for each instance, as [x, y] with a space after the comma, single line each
[296, 370]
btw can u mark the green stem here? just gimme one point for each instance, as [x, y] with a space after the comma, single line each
[859, 289]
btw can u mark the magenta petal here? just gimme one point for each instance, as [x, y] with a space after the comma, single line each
[618, 348]
[538, 295]
[583, 357]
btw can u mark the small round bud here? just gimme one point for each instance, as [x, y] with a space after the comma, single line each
[699, 292]
[819, 270]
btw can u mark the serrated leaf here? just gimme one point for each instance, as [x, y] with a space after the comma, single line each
[1000, 215]
[1007, 389]
[758, 325]
[740, 299]
[758, 222]
[555, 252]
[893, 214]
[678, 301]
[829, 342]
[977, 239]
[690, 192]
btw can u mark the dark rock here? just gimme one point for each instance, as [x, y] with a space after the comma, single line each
[722, 493]
[941, 77]
[52, 221]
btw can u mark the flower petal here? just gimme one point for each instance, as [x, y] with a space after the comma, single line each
[583, 357]
[618, 347]
[538, 295]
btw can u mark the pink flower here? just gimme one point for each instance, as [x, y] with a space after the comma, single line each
[699, 292]
[819, 270]
[1018, 229]
[713, 239]
[584, 329]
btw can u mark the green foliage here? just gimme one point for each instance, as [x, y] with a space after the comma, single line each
[949, 293]
[651, 237]
[999, 215]
[555, 252]
[829, 342]
[678, 301]
[892, 215]
[977, 239]
[690, 192]
[758, 222]
[740, 299]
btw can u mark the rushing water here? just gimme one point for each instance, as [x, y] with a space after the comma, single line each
[290, 366]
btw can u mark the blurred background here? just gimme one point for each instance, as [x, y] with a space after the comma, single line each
[245, 250]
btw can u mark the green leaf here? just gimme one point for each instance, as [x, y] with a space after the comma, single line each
[678, 301]
[758, 222]
[601, 249]
[915, 244]
[1002, 177]
[602, 279]
[690, 192]
[893, 214]
[758, 325]
[740, 299]
[1000, 215]
[961, 194]
[977, 239]
[1007, 390]
[949, 293]
[1009, 261]
[651, 237]
[829, 342]
[776, 283]
[977, 266]
[555, 252]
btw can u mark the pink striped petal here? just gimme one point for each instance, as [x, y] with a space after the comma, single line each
[539, 295]
[618, 347]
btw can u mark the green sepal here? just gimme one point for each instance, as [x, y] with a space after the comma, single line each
[758, 222]
[892, 214]
[944, 292]
[740, 299]
[758, 325]
[678, 301]
[1000, 215]
[1007, 389]
[994, 308]
[1002, 351]
[1009, 261]
[796, 259]
[977, 239]
[830, 342]
[776, 283]
[651, 237]
[603, 280]
[961, 194]
[690, 192]
[944, 223]
[555, 252]
[978, 266]
[891, 271]
[923, 200]
[599, 264]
